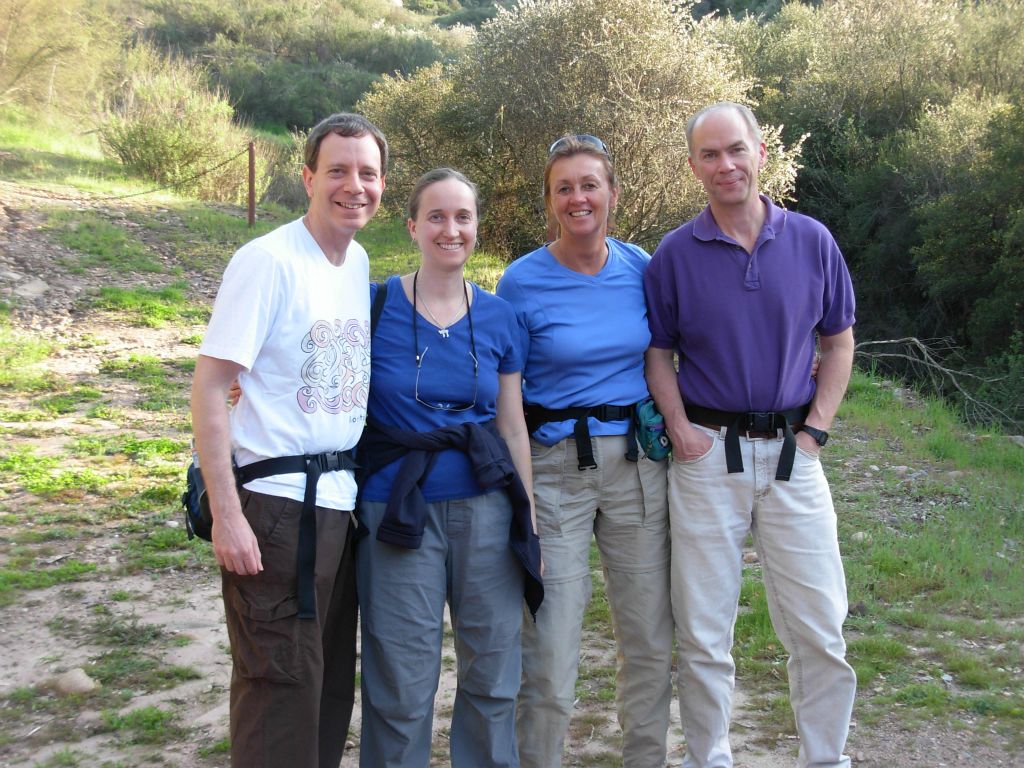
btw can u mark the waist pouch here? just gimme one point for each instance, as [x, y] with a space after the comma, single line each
[650, 431]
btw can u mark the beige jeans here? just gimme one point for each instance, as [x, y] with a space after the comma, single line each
[624, 505]
[794, 528]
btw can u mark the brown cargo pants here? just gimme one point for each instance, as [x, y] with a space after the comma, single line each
[293, 681]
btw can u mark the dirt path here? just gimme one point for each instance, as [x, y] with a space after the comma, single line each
[176, 610]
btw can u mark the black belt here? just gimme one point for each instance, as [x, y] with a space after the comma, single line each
[537, 416]
[757, 424]
[312, 465]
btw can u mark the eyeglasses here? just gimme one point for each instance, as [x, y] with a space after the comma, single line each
[583, 138]
[443, 406]
[421, 356]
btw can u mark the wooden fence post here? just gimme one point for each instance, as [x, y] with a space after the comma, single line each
[252, 184]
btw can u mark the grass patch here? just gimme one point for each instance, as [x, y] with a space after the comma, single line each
[230, 228]
[938, 561]
[64, 758]
[135, 448]
[152, 308]
[163, 382]
[204, 236]
[46, 150]
[596, 682]
[40, 535]
[598, 616]
[758, 651]
[164, 548]
[130, 668]
[775, 714]
[125, 631]
[14, 577]
[19, 354]
[24, 415]
[43, 476]
[100, 244]
[68, 402]
[104, 412]
[221, 747]
[147, 725]
[876, 655]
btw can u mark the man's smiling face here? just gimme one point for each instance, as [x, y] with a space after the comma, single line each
[346, 186]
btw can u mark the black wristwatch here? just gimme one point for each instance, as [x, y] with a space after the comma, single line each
[820, 435]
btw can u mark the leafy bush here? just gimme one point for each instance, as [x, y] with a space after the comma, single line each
[914, 160]
[469, 17]
[167, 125]
[286, 187]
[630, 71]
[277, 91]
[294, 63]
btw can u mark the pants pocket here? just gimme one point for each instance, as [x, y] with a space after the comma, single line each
[548, 464]
[265, 642]
[714, 435]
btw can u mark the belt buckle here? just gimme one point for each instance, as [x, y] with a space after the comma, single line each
[328, 462]
[762, 422]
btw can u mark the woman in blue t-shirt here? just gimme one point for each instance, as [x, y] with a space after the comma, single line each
[580, 305]
[440, 505]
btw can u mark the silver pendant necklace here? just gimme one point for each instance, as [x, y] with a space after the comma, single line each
[442, 328]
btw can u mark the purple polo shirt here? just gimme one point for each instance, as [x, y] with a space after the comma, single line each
[744, 324]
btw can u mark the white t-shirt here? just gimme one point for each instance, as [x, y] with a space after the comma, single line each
[300, 326]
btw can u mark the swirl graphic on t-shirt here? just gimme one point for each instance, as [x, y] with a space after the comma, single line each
[337, 372]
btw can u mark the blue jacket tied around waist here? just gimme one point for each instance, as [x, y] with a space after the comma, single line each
[405, 515]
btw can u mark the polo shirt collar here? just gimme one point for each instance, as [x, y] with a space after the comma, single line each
[706, 228]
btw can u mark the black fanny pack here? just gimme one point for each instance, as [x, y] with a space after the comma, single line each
[198, 520]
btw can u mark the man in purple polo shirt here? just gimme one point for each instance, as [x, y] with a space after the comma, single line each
[741, 293]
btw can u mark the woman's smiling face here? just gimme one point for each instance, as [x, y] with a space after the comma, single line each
[580, 195]
[446, 223]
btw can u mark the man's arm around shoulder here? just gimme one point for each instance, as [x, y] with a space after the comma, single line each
[833, 377]
[234, 543]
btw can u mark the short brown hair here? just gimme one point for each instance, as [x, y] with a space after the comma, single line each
[344, 124]
[412, 208]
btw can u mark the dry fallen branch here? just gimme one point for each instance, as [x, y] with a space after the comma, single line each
[923, 359]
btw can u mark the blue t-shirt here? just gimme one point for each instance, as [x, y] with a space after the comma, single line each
[583, 336]
[444, 378]
[744, 323]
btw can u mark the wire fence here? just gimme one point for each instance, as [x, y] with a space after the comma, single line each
[29, 191]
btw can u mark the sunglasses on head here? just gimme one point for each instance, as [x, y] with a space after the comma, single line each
[583, 138]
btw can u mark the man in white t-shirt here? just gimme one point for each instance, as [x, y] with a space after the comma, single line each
[291, 322]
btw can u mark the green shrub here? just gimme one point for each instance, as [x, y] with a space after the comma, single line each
[633, 73]
[167, 125]
[271, 90]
